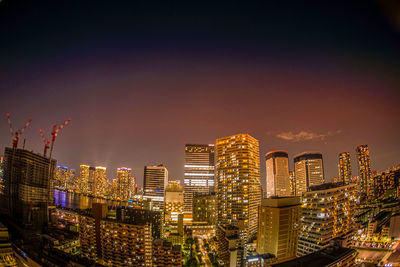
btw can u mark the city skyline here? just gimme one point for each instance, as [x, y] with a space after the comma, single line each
[140, 81]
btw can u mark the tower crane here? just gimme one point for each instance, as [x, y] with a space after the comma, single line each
[16, 134]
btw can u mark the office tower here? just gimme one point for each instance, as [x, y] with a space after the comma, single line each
[229, 247]
[198, 172]
[28, 187]
[309, 171]
[60, 177]
[277, 172]
[205, 208]
[344, 167]
[173, 202]
[364, 168]
[292, 179]
[99, 181]
[114, 242]
[327, 213]
[124, 183]
[166, 254]
[278, 227]
[155, 180]
[84, 178]
[238, 182]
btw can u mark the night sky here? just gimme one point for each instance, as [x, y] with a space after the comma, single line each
[140, 80]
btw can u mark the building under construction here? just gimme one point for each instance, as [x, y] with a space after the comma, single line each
[28, 187]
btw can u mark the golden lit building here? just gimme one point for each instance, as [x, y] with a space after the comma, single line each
[277, 174]
[364, 168]
[166, 254]
[87, 237]
[238, 183]
[84, 178]
[309, 171]
[344, 168]
[327, 213]
[115, 242]
[125, 244]
[205, 208]
[100, 181]
[173, 202]
[278, 227]
[125, 184]
[229, 247]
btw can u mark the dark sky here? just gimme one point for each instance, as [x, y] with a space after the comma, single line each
[141, 78]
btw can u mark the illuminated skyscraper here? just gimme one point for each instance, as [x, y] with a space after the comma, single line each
[84, 178]
[124, 183]
[92, 181]
[173, 202]
[309, 171]
[279, 226]
[198, 172]
[277, 172]
[344, 167]
[238, 183]
[364, 168]
[327, 213]
[99, 181]
[155, 180]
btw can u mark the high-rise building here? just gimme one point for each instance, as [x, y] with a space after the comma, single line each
[141, 216]
[92, 181]
[327, 213]
[292, 179]
[28, 186]
[344, 167]
[155, 180]
[84, 178]
[277, 172]
[173, 202]
[309, 171]
[198, 172]
[125, 184]
[115, 242]
[364, 168]
[229, 246]
[166, 254]
[238, 183]
[205, 208]
[278, 227]
[100, 181]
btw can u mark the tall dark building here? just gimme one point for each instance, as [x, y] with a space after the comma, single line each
[28, 187]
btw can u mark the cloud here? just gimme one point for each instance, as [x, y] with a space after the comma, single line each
[304, 136]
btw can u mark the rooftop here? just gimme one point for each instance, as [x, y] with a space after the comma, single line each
[321, 258]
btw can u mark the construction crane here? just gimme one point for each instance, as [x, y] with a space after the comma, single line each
[45, 141]
[55, 131]
[16, 134]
